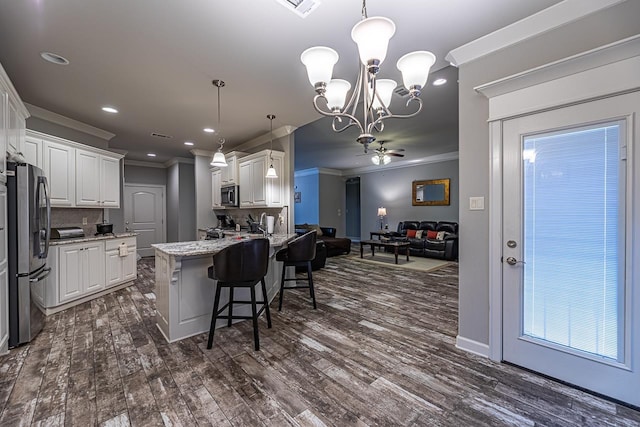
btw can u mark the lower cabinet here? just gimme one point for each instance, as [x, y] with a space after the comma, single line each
[120, 260]
[81, 269]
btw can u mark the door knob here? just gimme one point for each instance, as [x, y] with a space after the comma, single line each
[512, 261]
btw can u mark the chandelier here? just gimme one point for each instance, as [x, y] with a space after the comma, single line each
[218, 158]
[372, 37]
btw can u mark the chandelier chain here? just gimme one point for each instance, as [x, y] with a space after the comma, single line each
[364, 9]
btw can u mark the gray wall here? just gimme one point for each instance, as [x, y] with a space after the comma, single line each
[205, 217]
[173, 202]
[35, 123]
[612, 24]
[308, 210]
[391, 188]
[187, 202]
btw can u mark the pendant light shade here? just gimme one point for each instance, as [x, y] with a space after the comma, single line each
[337, 94]
[271, 172]
[415, 68]
[218, 158]
[319, 61]
[372, 37]
[384, 89]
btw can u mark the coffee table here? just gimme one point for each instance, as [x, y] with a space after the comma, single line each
[383, 244]
[382, 234]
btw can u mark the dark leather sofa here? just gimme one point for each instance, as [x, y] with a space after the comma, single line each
[428, 245]
[334, 245]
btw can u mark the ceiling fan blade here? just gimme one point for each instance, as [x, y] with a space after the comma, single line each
[394, 154]
[393, 150]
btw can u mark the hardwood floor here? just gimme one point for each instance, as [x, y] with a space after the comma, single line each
[379, 350]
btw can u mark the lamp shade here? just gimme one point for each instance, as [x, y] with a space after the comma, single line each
[386, 159]
[319, 61]
[271, 173]
[336, 93]
[219, 160]
[372, 37]
[375, 160]
[384, 89]
[415, 68]
[382, 211]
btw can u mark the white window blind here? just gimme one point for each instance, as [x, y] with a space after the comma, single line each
[574, 239]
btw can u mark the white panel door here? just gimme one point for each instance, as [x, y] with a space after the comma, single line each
[570, 211]
[144, 213]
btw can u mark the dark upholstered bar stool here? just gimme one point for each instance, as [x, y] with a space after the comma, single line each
[242, 265]
[298, 253]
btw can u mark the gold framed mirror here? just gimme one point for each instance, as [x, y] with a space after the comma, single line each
[430, 192]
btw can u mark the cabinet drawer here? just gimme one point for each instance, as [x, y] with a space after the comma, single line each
[114, 243]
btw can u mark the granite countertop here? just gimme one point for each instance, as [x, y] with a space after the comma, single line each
[210, 247]
[57, 242]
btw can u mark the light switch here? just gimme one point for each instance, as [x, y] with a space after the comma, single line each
[476, 203]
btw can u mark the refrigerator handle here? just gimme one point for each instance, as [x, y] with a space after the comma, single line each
[42, 181]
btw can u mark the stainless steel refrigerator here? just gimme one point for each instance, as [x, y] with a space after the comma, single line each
[28, 227]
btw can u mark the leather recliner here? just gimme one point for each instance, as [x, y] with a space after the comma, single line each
[445, 248]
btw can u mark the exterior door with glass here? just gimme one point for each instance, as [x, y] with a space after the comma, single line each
[570, 300]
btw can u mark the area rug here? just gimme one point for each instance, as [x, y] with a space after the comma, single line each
[388, 259]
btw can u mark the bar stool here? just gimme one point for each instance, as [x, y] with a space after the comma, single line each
[298, 253]
[241, 265]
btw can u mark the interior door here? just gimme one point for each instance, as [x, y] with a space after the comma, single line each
[568, 224]
[144, 213]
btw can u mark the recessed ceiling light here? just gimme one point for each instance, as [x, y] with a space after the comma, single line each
[439, 82]
[54, 58]
[109, 110]
[208, 130]
[188, 143]
[151, 154]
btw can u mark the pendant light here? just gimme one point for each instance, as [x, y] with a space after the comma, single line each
[271, 172]
[218, 158]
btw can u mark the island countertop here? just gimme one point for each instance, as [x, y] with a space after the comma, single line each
[210, 247]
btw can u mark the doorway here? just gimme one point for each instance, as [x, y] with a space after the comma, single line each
[567, 236]
[144, 213]
[352, 207]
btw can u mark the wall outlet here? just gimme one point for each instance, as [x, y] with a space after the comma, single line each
[84, 220]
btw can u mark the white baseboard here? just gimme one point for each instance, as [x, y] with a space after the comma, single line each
[471, 346]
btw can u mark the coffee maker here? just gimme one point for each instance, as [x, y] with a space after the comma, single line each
[222, 221]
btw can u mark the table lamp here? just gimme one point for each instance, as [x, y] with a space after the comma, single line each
[382, 212]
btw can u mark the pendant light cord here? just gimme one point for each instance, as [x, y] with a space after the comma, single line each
[364, 9]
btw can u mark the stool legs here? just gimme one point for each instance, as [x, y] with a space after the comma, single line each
[216, 303]
[311, 290]
[254, 318]
[308, 279]
[230, 306]
[266, 303]
[282, 280]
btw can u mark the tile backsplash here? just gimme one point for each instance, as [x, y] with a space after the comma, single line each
[69, 217]
[240, 216]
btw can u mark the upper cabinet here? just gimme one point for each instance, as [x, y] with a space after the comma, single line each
[255, 189]
[13, 115]
[216, 200]
[229, 175]
[78, 175]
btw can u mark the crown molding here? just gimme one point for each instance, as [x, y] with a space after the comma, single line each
[177, 160]
[144, 164]
[256, 142]
[61, 120]
[317, 171]
[445, 157]
[546, 20]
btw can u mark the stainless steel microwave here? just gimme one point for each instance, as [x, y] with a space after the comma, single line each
[229, 195]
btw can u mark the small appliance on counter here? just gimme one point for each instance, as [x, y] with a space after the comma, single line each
[66, 232]
[214, 233]
[104, 229]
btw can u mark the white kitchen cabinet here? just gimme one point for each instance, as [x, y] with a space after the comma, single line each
[59, 167]
[4, 96]
[13, 115]
[216, 201]
[4, 284]
[81, 269]
[120, 261]
[97, 180]
[33, 151]
[17, 126]
[229, 175]
[255, 189]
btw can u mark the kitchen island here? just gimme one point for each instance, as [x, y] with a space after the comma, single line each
[184, 292]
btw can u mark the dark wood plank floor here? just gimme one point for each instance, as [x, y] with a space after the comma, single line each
[379, 350]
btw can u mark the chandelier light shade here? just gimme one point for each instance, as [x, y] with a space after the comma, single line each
[218, 158]
[372, 36]
[271, 172]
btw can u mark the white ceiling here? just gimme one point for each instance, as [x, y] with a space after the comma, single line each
[154, 60]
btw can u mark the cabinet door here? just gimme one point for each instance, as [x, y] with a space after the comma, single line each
[110, 182]
[87, 179]
[60, 169]
[12, 127]
[4, 307]
[258, 181]
[70, 262]
[216, 201]
[93, 265]
[275, 190]
[3, 132]
[129, 265]
[231, 170]
[33, 151]
[113, 268]
[246, 178]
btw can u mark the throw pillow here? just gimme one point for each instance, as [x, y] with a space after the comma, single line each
[411, 233]
[441, 235]
[431, 234]
[419, 234]
[315, 227]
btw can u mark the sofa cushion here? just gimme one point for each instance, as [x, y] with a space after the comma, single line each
[306, 226]
[427, 225]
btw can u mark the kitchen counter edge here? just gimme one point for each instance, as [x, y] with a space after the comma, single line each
[58, 242]
[210, 247]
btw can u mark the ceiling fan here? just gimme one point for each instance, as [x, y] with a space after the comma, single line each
[383, 155]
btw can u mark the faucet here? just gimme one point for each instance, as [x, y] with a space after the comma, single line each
[262, 215]
[264, 230]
